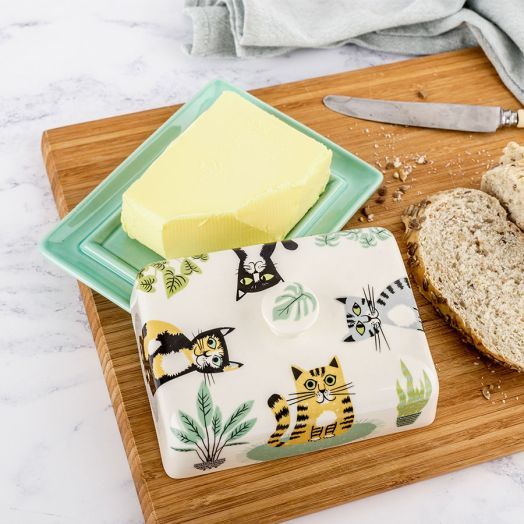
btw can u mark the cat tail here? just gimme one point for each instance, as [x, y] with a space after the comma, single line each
[280, 409]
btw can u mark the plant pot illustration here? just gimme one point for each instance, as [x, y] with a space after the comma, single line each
[406, 420]
[208, 434]
[210, 464]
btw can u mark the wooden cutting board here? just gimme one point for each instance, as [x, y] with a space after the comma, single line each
[469, 428]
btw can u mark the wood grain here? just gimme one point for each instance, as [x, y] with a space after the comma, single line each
[469, 429]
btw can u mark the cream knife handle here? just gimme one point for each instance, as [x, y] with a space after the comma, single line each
[520, 118]
[510, 118]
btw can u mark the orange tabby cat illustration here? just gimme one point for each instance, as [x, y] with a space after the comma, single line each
[323, 406]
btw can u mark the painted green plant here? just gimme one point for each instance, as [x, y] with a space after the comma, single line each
[174, 279]
[413, 399]
[294, 299]
[329, 240]
[208, 434]
[368, 237]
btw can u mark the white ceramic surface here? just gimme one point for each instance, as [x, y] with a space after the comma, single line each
[61, 454]
[360, 367]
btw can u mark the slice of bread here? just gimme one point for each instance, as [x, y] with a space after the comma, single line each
[506, 182]
[468, 260]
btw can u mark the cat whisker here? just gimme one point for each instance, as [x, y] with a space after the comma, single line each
[385, 339]
[347, 384]
[301, 393]
[307, 394]
[291, 402]
[342, 393]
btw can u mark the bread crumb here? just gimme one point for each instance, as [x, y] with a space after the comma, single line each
[396, 175]
[371, 217]
[486, 393]
[397, 163]
[421, 94]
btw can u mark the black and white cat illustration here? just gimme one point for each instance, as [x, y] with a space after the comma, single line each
[366, 315]
[256, 270]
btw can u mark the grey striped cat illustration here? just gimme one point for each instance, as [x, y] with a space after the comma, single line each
[366, 315]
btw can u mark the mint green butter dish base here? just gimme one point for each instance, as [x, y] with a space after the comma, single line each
[90, 244]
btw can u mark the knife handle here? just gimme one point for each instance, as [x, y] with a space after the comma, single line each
[510, 118]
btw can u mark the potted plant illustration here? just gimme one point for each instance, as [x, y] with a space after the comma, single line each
[412, 400]
[209, 434]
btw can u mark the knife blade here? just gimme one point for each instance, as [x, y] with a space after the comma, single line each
[459, 117]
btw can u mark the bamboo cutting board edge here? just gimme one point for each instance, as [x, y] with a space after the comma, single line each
[153, 503]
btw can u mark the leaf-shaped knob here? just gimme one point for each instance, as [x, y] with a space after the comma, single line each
[290, 308]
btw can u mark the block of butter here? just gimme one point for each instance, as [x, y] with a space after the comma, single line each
[237, 176]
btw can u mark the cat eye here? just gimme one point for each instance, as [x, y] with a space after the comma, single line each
[330, 380]
[310, 384]
[360, 328]
[246, 281]
[216, 360]
[356, 309]
[267, 276]
[211, 342]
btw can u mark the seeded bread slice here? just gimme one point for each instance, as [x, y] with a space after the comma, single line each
[468, 261]
[506, 182]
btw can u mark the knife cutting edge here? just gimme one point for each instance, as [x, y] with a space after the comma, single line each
[459, 117]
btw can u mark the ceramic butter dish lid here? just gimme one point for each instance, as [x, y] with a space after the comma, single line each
[274, 350]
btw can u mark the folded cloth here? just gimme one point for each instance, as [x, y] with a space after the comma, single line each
[256, 28]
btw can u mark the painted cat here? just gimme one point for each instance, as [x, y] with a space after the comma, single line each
[256, 270]
[395, 305]
[168, 354]
[324, 408]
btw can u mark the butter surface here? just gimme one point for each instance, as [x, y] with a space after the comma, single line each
[237, 176]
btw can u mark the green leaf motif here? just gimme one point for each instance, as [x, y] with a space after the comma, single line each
[187, 267]
[329, 240]
[159, 265]
[238, 415]
[183, 437]
[216, 421]
[204, 405]
[173, 283]
[191, 425]
[367, 240]
[240, 430]
[146, 283]
[204, 257]
[294, 299]
[381, 233]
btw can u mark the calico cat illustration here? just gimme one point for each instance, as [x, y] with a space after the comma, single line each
[168, 354]
[324, 408]
[256, 270]
[395, 305]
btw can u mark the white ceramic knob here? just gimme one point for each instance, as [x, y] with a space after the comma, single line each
[290, 308]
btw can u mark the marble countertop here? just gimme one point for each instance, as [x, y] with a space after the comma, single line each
[61, 456]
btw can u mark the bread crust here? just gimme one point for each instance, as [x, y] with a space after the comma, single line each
[413, 219]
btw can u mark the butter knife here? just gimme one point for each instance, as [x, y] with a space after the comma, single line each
[479, 119]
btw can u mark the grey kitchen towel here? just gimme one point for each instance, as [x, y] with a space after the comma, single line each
[256, 28]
